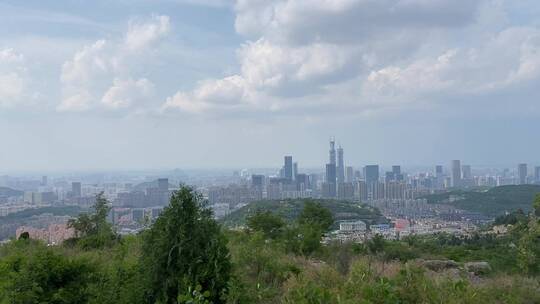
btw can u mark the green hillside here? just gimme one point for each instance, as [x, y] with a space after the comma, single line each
[492, 202]
[290, 209]
[8, 192]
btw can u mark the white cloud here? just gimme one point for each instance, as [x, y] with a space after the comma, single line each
[13, 78]
[101, 75]
[305, 57]
[141, 35]
[124, 93]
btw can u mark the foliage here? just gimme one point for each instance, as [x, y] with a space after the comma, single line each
[92, 230]
[267, 223]
[316, 216]
[185, 248]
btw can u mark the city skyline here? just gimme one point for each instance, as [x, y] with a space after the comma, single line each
[131, 84]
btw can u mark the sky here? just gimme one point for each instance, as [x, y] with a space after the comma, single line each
[157, 84]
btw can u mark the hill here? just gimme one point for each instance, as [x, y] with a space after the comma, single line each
[290, 209]
[492, 202]
[8, 192]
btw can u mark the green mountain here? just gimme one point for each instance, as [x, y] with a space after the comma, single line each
[290, 210]
[8, 192]
[492, 202]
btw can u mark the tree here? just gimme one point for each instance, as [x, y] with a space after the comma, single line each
[93, 230]
[43, 276]
[269, 224]
[317, 216]
[184, 249]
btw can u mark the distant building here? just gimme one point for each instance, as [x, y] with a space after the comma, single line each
[288, 168]
[371, 174]
[456, 174]
[329, 187]
[466, 171]
[522, 174]
[349, 174]
[352, 226]
[340, 166]
[76, 189]
[537, 175]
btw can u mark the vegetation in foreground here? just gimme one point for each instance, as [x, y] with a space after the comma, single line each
[186, 257]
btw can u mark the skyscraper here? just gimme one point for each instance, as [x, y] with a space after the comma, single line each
[332, 152]
[456, 174]
[295, 170]
[349, 174]
[466, 171]
[329, 189]
[438, 171]
[537, 175]
[288, 168]
[371, 174]
[522, 173]
[340, 166]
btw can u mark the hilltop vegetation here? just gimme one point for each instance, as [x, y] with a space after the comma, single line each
[186, 257]
[290, 209]
[493, 202]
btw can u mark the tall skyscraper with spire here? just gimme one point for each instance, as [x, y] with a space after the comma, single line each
[340, 167]
[332, 152]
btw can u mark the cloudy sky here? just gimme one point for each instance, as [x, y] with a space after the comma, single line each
[155, 84]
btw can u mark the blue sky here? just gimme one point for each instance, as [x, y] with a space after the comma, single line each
[157, 84]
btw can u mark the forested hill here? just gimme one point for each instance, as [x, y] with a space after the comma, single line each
[290, 209]
[492, 202]
[7, 192]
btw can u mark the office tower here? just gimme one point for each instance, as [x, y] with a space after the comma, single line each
[537, 175]
[456, 174]
[332, 153]
[349, 174]
[389, 176]
[361, 190]
[302, 182]
[396, 170]
[329, 189]
[438, 170]
[295, 170]
[288, 168]
[466, 171]
[340, 167]
[44, 181]
[76, 189]
[163, 184]
[522, 173]
[371, 174]
[257, 181]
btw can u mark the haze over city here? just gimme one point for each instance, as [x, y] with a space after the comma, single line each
[125, 85]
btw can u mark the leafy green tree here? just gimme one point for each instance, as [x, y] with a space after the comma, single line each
[93, 230]
[269, 224]
[185, 248]
[43, 276]
[316, 216]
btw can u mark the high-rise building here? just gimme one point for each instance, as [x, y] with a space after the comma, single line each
[257, 181]
[332, 152]
[438, 170]
[537, 175]
[76, 189]
[295, 170]
[288, 168]
[456, 174]
[371, 174]
[466, 171]
[302, 182]
[522, 173]
[329, 188]
[340, 167]
[349, 174]
[44, 181]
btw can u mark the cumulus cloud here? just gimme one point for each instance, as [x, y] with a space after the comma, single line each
[100, 75]
[359, 55]
[141, 35]
[13, 79]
